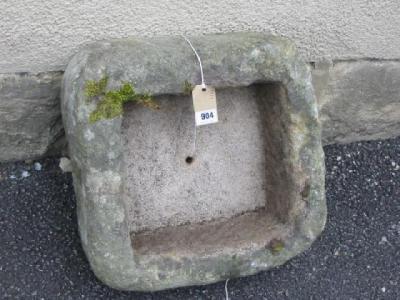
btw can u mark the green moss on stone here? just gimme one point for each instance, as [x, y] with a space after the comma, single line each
[187, 88]
[110, 103]
[95, 88]
[276, 246]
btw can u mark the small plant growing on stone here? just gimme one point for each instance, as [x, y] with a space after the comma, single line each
[110, 103]
[187, 88]
[95, 88]
[276, 246]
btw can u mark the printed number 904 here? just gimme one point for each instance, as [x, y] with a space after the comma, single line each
[206, 116]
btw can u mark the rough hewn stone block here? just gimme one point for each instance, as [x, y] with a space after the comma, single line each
[30, 116]
[358, 100]
[252, 198]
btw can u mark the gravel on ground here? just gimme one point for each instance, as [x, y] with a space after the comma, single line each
[356, 257]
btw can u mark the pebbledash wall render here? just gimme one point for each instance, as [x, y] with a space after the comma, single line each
[353, 49]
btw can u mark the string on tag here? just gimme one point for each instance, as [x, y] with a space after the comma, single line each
[226, 290]
[204, 100]
[203, 84]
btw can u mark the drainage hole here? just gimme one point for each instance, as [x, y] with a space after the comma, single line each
[189, 160]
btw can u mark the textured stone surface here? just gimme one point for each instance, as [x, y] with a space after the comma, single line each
[38, 36]
[358, 100]
[294, 213]
[356, 257]
[216, 153]
[30, 117]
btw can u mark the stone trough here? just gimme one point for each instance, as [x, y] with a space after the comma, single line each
[162, 204]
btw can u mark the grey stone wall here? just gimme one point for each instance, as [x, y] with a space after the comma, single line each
[358, 100]
[30, 116]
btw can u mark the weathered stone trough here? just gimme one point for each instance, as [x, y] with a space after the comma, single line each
[161, 205]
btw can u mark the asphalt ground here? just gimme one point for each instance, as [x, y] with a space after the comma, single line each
[356, 257]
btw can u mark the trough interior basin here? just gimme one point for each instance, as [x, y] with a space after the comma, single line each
[220, 187]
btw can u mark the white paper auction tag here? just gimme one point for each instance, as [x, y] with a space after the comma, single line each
[205, 105]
